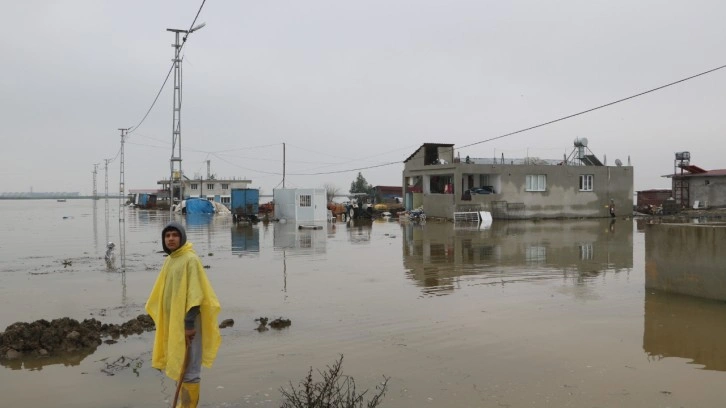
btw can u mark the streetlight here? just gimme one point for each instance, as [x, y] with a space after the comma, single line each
[175, 163]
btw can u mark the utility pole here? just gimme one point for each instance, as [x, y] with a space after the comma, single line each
[105, 172]
[176, 183]
[95, 173]
[122, 179]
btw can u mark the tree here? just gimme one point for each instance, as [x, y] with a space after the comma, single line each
[360, 185]
[330, 191]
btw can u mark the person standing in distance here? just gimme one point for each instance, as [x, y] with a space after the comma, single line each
[184, 308]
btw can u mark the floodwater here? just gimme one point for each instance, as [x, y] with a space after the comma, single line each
[523, 314]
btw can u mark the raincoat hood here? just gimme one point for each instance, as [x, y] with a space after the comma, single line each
[182, 232]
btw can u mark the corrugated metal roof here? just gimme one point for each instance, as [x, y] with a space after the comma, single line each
[706, 173]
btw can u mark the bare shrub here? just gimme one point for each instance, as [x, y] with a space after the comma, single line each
[335, 390]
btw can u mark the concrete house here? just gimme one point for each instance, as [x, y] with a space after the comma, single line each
[695, 187]
[578, 186]
[211, 188]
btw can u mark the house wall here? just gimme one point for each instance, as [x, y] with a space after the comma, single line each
[215, 193]
[562, 197]
[712, 194]
[683, 258]
[653, 197]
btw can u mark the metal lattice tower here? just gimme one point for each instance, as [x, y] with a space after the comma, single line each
[176, 183]
[175, 163]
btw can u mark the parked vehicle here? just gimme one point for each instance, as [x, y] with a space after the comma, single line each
[481, 190]
[417, 215]
[245, 204]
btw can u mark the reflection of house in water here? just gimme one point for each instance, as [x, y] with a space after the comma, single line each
[299, 241]
[359, 231]
[245, 239]
[440, 256]
[685, 327]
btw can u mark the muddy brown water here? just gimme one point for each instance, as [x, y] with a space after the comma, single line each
[523, 314]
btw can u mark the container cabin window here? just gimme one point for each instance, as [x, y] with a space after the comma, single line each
[536, 182]
[306, 200]
[194, 186]
[586, 182]
[210, 186]
[225, 186]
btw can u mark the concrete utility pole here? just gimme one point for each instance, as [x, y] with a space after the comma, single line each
[176, 184]
[95, 173]
[105, 173]
[122, 179]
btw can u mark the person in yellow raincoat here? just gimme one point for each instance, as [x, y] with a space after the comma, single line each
[184, 308]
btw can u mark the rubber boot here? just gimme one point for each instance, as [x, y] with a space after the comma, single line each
[188, 396]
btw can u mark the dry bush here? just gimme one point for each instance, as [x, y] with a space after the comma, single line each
[335, 390]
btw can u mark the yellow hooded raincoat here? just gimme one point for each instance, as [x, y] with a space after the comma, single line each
[181, 285]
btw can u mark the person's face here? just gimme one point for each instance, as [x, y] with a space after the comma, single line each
[172, 238]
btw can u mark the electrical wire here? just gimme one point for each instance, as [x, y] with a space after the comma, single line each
[595, 108]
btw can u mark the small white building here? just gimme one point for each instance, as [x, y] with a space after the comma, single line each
[301, 205]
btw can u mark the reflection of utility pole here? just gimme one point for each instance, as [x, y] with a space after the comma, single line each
[283, 166]
[176, 183]
[106, 195]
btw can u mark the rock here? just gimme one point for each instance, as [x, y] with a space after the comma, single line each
[13, 355]
[226, 323]
[280, 323]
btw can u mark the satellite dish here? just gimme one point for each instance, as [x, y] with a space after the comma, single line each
[618, 162]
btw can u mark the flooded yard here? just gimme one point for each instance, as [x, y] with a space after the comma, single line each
[523, 314]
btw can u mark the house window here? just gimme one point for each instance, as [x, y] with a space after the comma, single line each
[536, 182]
[535, 254]
[194, 186]
[586, 182]
[225, 186]
[586, 252]
[306, 200]
[210, 186]
[226, 200]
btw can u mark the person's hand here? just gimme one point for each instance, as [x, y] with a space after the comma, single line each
[189, 334]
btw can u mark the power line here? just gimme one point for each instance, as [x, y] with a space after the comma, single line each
[541, 124]
[595, 108]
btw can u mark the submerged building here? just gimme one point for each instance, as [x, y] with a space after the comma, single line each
[577, 186]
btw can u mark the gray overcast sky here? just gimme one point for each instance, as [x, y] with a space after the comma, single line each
[352, 84]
